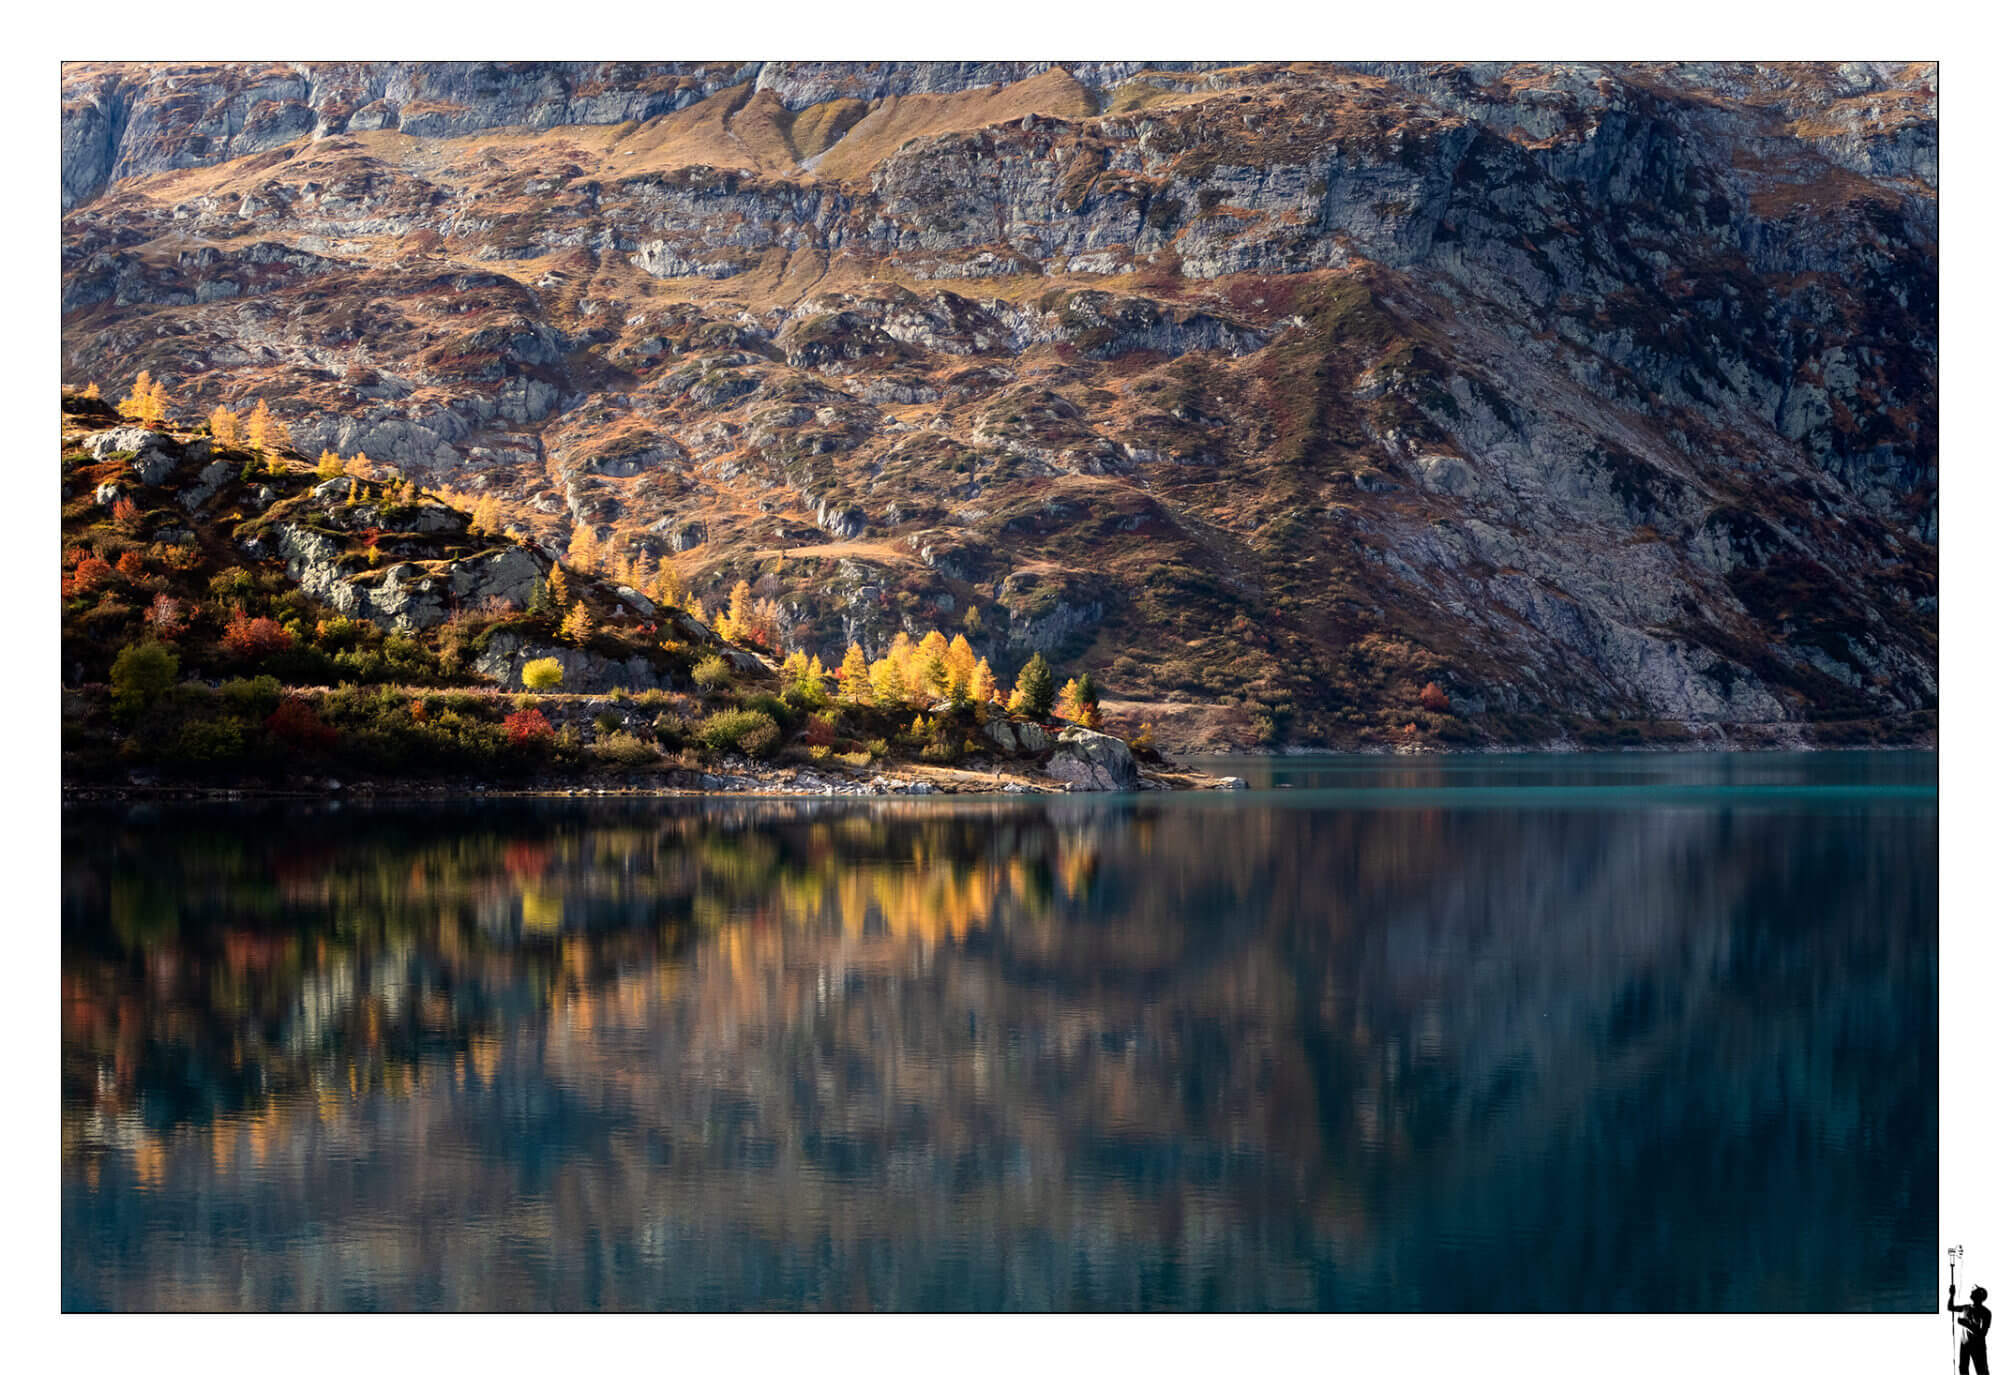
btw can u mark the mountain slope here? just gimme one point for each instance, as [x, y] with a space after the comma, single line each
[1268, 393]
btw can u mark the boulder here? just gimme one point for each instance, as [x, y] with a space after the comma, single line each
[1092, 761]
[1447, 474]
[1002, 734]
[155, 466]
[212, 480]
[155, 455]
[108, 493]
[1034, 740]
[126, 439]
[509, 575]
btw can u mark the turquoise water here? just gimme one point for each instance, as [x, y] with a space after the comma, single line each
[1515, 1033]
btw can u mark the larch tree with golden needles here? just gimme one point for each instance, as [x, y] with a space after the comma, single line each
[583, 547]
[329, 464]
[559, 587]
[885, 683]
[133, 407]
[91, 393]
[224, 429]
[960, 660]
[579, 625]
[980, 687]
[157, 405]
[669, 588]
[1078, 702]
[854, 676]
[930, 668]
[257, 427]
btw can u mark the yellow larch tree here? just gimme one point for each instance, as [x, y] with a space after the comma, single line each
[885, 683]
[584, 549]
[157, 406]
[669, 588]
[854, 675]
[980, 686]
[578, 625]
[133, 407]
[224, 428]
[960, 660]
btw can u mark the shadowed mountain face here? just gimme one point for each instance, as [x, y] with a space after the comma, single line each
[1666, 1042]
[1264, 391]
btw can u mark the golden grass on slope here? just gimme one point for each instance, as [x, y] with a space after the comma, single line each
[734, 129]
[818, 127]
[898, 119]
[866, 551]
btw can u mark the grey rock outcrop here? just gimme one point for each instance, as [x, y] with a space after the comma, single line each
[1091, 761]
[406, 596]
[213, 479]
[506, 653]
[155, 454]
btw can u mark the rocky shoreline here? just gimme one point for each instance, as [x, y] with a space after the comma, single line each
[746, 782]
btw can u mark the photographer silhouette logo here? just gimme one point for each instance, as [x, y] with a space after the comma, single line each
[1970, 1320]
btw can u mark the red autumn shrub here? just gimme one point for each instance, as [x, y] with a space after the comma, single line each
[297, 726]
[1434, 699]
[92, 575]
[253, 637]
[526, 729]
[125, 511]
[131, 564]
[819, 731]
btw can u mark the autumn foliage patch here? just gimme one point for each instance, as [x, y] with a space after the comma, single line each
[526, 729]
[92, 574]
[296, 725]
[252, 637]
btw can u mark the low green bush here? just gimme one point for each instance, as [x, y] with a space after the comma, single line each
[625, 750]
[252, 697]
[738, 728]
[711, 674]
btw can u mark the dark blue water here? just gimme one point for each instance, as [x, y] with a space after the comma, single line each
[1600, 1032]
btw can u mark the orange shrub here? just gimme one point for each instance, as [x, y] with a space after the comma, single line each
[526, 729]
[254, 637]
[92, 575]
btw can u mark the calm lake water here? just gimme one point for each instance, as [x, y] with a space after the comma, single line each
[1515, 1033]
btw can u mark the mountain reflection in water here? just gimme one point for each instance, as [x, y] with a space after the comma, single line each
[1299, 1050]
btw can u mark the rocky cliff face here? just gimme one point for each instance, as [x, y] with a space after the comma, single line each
[1583, 391]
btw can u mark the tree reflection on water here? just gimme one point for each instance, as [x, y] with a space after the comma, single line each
[1146, 1053]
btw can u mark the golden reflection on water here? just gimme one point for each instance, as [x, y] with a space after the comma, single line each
[912, 1055]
